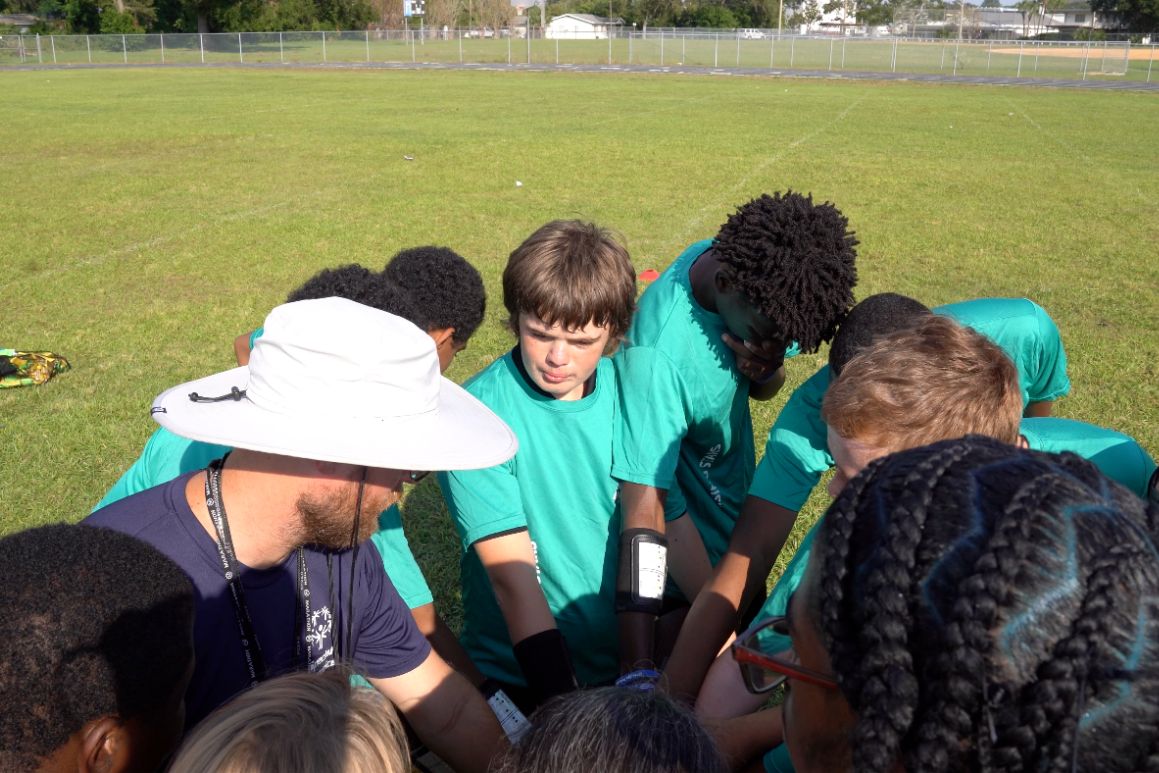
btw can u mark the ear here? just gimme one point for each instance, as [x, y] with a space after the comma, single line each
[441, 335]
[1023, 442]
[721, 281]
[105, 746]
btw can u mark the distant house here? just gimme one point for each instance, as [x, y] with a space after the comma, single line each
[581, 26]
[21, 21]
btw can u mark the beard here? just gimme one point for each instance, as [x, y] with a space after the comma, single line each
[328, 520]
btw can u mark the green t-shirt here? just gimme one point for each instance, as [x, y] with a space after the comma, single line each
[559, 487]
[167, 455]
[1118, 456]
[685, 423]
[797, 451]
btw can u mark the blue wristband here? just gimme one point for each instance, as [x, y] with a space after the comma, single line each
[641, 679]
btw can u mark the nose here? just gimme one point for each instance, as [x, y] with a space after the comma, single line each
[557, 355]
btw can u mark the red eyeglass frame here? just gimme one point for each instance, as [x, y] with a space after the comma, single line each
[744, 654]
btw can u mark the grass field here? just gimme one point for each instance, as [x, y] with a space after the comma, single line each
[1029, 59]
[151, 215]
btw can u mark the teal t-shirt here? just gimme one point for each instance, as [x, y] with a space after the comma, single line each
[1118, 456]
[685, 424]
[559, 487]
[167, 455]
[797, 451]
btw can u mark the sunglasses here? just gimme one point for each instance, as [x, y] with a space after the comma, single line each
[766, 658]
[417, 476]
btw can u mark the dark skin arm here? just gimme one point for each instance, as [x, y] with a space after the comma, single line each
[241, 348]
[1040, 409]
[757, 539]
[642, 508]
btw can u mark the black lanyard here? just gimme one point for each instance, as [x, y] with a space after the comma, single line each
[252, 648]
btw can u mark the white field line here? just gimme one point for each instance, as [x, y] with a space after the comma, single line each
[83, 261]
[694, 226]
[1079, 153]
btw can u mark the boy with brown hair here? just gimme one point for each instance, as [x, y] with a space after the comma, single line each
[539, 532]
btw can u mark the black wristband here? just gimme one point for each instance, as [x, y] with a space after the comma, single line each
[640, 580]
[546, 664]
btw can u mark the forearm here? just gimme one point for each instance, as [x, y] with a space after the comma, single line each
[241, 349]
[642, 508]
[1040, 409]
[460, 729]
[707, 627]
[445, 642]
[757, 539]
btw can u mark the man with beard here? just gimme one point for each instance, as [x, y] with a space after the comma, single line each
[339, 406]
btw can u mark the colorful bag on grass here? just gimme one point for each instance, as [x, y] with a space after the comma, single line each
[28, 368]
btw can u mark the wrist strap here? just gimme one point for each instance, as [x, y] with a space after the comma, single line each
[546, 664]
[643, 571]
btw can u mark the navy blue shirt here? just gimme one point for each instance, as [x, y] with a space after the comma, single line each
[384, 642]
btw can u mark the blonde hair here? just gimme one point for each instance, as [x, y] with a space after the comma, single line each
[300, 722]
[571, 273]
[934, 381]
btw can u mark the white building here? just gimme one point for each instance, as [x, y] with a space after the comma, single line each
[581, 26]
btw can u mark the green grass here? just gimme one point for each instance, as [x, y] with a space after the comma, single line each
[150, 216]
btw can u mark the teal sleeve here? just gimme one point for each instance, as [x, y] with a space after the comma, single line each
[256, 335]
[797, 451]
[777, 760]
[399, 561]
[653, 419]
[164, 457]
[1127, 464]
[674, 504]
[484, 503]
[777, 603]
[1050, 381]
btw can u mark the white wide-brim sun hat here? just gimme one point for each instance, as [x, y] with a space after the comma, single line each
[333, 380]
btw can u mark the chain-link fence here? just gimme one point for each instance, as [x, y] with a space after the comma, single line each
[1079, 60]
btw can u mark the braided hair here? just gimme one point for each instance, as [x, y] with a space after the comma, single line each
[793, 261]
[992, 609]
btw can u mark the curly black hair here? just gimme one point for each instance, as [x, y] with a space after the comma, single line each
[446, 290]
[793, 261]
[98, 624]
[992, 609]
[353, 282]
[875, 316]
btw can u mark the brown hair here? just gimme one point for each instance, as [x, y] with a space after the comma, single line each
[295, 723]
[934, 381]
[571, 273]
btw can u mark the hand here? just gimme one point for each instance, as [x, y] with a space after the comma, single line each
[757, 362]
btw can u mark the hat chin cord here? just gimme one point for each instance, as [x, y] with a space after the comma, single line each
[353, 564]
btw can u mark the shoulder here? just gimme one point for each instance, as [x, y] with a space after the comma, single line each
[494, 380]
[667, 302]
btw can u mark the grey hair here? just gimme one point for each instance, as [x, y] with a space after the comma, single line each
[299, 722]
[613, 730]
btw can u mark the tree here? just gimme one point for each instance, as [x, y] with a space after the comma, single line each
[1027, 8]
[1139, 15]
[847, 9]
[806, 16]
[991, 4]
